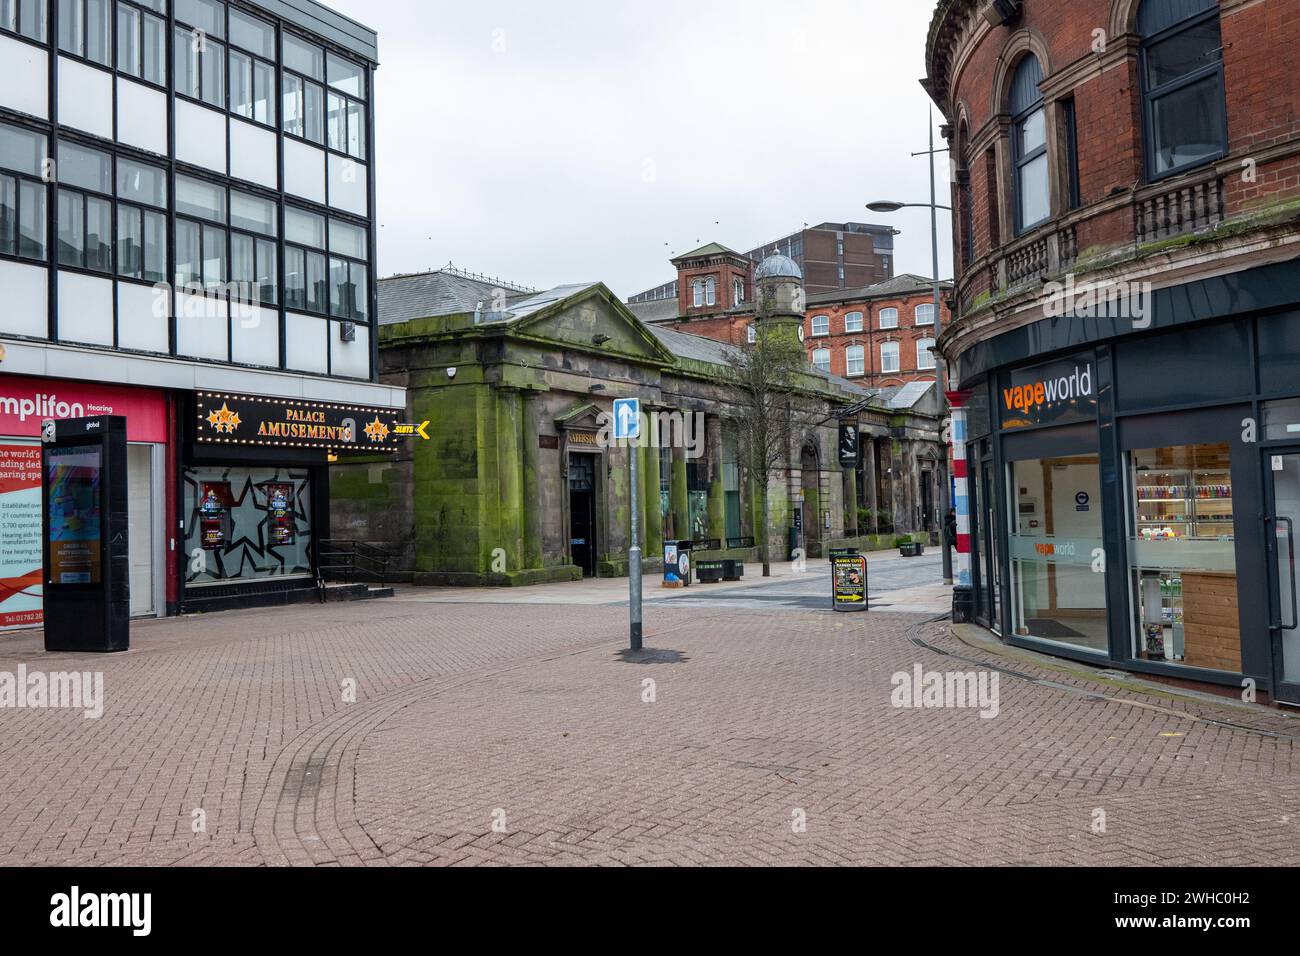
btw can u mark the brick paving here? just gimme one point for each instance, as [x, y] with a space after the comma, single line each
[532, 717]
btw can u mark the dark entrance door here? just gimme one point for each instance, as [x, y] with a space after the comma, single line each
[582, 512]
[1284, 612]
[927, 501]
[992, 566]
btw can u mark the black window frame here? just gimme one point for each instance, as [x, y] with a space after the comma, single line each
[259, 240]
[209, 288]
[19, 5]
[21, 177]
[1021, 161]
[184, 35]
[110, 39]
[85, 195]
[289, 247]
[141, 210]
[305, 80]
[361, 102]
[143, 11]
[1214, 70]
[256, 58]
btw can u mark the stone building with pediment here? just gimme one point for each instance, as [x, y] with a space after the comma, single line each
[518, 484]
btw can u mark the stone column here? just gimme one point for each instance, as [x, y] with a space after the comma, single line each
[898, 484]
[717, 496]
[679, 499]
[532, 483]
[870, 485]
[653, 548]
[510, 502]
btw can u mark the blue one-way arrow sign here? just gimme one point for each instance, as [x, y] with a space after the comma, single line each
[627, 419]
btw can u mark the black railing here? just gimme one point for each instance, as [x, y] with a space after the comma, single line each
[351, 562]
[740, 543]
[706, 544]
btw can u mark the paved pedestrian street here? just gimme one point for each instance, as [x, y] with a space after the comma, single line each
[510, 728]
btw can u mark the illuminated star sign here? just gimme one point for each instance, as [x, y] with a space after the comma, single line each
[377, 431]
[223, 420]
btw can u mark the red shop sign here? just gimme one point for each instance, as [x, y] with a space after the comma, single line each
[26, 402]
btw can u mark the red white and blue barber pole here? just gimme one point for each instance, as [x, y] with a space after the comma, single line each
[962, 595]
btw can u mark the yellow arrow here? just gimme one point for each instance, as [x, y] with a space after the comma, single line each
[423, 430]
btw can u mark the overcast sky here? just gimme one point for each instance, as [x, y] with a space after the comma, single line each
[578, 140]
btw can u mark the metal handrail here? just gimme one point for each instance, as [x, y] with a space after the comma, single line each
[352, 560]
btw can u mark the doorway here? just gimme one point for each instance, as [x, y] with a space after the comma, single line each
[144, 518]
[582, 512]
[810, 481]
[1284, 611]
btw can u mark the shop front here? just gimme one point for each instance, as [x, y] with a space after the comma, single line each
[24, 404]
[254, 490]
[1134, 496]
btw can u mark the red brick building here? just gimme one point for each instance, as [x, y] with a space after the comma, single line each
[881, 334]
[1126, 350]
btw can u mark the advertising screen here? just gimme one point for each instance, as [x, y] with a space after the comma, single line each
[20, 535]
[75, 523]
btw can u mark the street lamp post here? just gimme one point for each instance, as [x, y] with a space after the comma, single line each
[886, 206]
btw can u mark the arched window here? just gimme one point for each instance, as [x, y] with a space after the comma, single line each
[853, 322]
[710, 291]
[1182, 85]
[889, 357]
[855, 360]
[821, 358]
[737, 290]
[1029, 145]
[925, 314]
[697, 291]
[821, 325]
[889, 318]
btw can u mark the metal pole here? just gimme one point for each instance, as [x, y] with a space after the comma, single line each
[939, 362]
[634, 552]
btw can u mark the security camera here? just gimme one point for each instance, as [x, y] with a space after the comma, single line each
[451, 373]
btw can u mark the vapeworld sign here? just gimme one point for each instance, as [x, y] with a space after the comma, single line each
[1050, 394]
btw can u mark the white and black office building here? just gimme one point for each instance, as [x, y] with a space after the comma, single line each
[187, 238]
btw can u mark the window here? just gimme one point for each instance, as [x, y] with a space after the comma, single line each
[751, 334]
[23, 17]
[697, 292]
[84, 29]
[200, 234]
[1029, 145]
[22, 193]
[1182, 84]
[1055, 594]
[821, 358]
[889, 318]
[710, 291]
[141, 222]
[853, 322]
[349, 275]
[305, 286]
[1070, 136]
[737, 291]
[924, 357]
[855, 357]
[346, 117]
[821, 325]
[889, 357]
[925, 314]
[85, 208]
[141, 43]
[254, 228]
[1182, 555]
[252, 68]
[199, 65]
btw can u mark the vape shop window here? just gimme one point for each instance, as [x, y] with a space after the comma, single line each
[246, 524]
[1058, 588]
[1183, 554]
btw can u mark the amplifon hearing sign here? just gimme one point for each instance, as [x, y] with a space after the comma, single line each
[26, 402]
[1055, 394]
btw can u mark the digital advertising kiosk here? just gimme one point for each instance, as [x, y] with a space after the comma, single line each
[85, 535]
